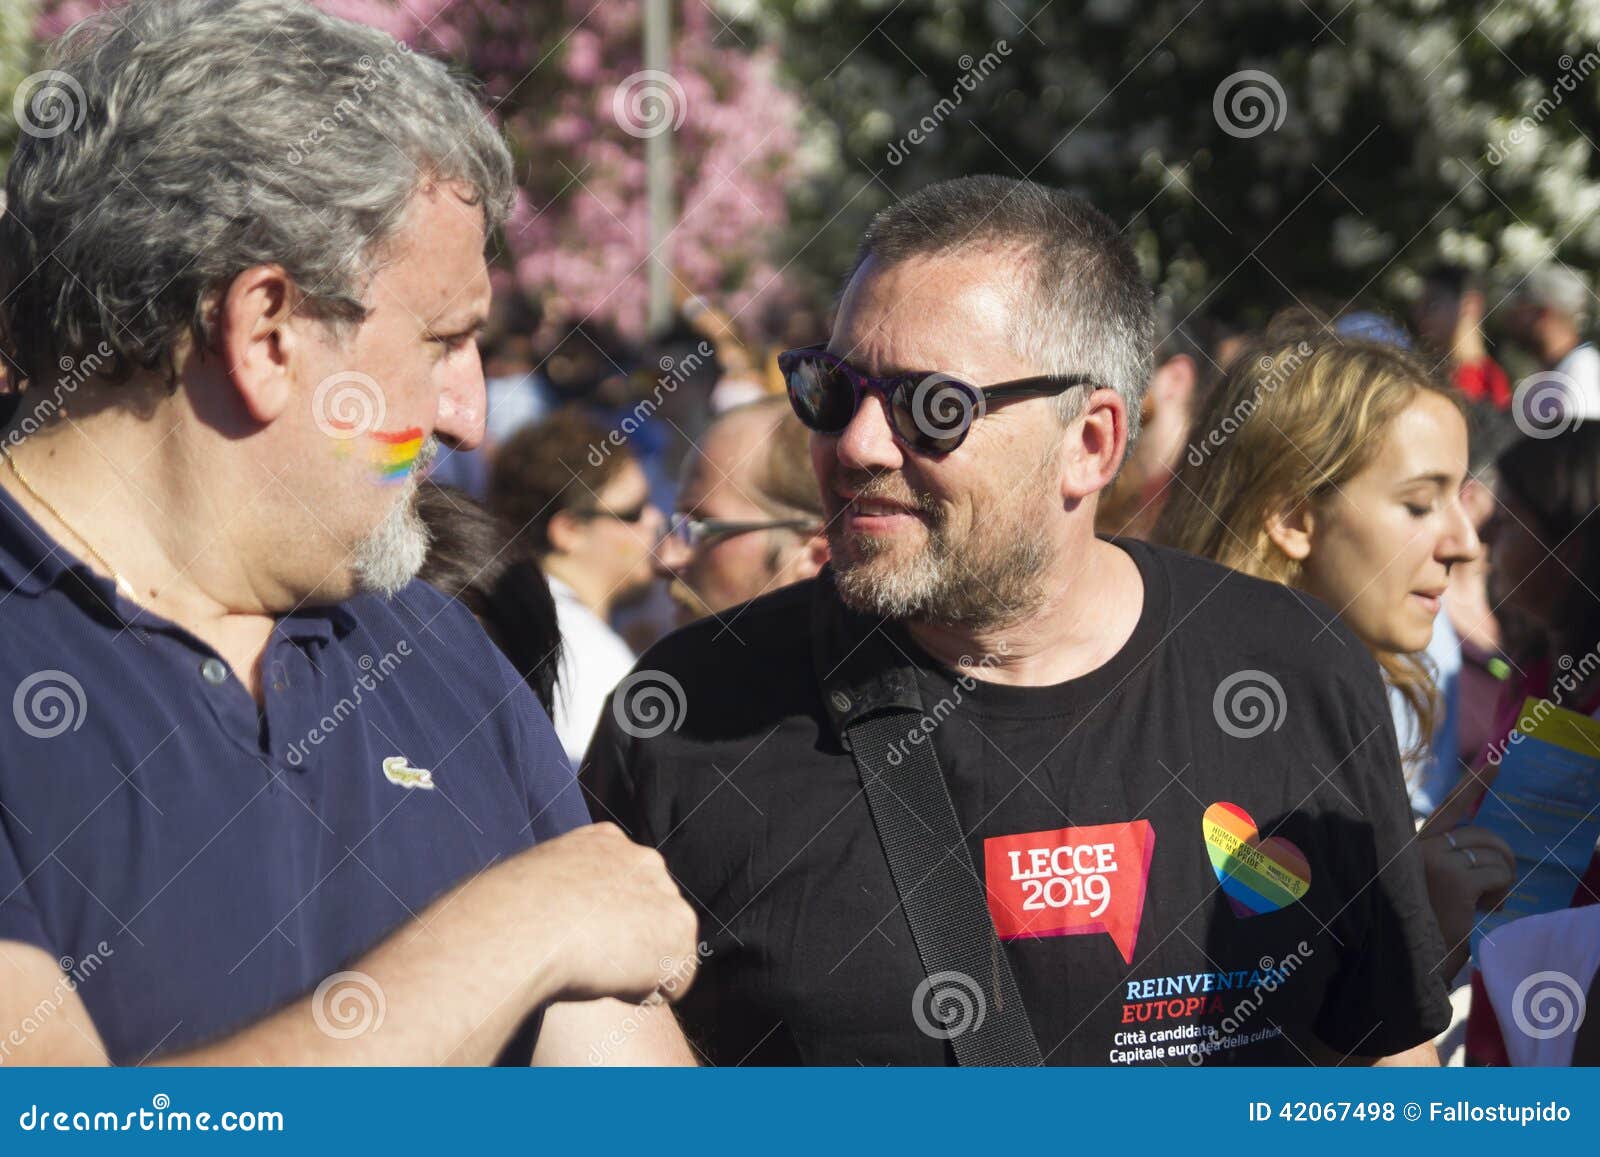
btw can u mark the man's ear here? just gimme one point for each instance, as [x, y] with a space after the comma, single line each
[1290, 531]
[256, 341]
[564, 530]
[1096, 443]
[814, 553]
[1172, 385]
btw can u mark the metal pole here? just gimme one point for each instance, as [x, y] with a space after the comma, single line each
[658, 170]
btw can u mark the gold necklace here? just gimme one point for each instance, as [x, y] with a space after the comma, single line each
[122, 583]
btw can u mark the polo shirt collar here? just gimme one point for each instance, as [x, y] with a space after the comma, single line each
[31, 562]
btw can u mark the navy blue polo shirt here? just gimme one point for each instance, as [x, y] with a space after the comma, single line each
[196, 861]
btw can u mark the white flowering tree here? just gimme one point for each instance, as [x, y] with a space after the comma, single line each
[1255, 151]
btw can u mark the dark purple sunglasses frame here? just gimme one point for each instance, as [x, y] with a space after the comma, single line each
[897, 392]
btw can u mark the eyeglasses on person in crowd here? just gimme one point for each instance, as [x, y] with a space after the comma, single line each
[930, 412]
[696, 532]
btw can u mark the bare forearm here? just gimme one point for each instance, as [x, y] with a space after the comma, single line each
[448, 988]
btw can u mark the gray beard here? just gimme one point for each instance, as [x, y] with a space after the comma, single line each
[391, 555]
[991, 580]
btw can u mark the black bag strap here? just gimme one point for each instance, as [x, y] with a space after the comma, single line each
[971, 990]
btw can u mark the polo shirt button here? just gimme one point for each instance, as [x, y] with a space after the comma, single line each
[214, 671]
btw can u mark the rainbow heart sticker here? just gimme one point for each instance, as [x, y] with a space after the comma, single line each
[1256, 875]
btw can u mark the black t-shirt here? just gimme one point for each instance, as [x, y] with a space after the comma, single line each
[1199, 852]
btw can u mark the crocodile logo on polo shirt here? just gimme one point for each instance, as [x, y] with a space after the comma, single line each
[397, 770]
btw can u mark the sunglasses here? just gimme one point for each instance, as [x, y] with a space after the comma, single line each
[929, 412]
[634, 514]
[697, 532]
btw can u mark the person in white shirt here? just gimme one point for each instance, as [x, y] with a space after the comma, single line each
[571, 488]
[1549, 312]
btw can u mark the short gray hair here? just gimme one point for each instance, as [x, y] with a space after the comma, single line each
[197, 138]
[1558, 287]
[1086, 309]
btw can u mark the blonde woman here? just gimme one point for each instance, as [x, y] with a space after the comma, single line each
[1335, 466]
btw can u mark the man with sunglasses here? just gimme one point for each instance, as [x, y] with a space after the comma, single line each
[749, 514]
[1153, 807]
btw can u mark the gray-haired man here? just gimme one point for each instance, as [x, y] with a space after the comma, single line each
[1178, 815]
[290, 804]
[1549, 317]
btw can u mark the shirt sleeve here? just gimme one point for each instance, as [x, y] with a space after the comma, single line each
[1389, 992]
[19, 919]
[555, 801]
[609, 780]
[1484, 381]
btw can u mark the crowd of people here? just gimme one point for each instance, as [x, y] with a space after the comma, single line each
[1009, 669]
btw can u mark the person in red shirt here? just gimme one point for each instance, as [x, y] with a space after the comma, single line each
[1449, 317]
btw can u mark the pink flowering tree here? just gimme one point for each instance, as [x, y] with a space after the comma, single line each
[567, 84]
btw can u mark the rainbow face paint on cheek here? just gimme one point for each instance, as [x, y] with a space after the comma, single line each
[395, 453]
